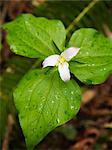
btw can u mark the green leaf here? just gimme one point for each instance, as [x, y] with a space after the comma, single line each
[44, 102]
[35, 37]
[93, 63]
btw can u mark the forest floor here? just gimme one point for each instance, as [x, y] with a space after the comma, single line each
[90, 130]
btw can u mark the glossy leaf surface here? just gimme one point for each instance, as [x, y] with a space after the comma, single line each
[93, 63]
[35, 37]
[44, 102]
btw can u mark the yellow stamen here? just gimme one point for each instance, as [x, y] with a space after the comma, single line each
[61, 60]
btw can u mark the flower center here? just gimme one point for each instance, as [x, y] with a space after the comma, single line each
[61, 60]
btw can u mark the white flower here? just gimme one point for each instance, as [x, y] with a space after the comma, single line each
[61, 61]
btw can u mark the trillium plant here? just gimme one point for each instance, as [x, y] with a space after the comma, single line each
[62, 62]
[48, 95]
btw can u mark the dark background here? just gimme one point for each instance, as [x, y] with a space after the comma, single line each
[92, 127]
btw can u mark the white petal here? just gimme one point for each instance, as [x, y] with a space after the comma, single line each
[70, 53]
[50, 61]
[64, 71]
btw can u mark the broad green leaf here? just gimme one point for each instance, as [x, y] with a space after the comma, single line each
[35, 37]
[93, 63]
[44, 102]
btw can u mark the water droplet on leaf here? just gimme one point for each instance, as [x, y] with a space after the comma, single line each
[104, 68]
[72, 107]
[58, 120]
[72, 92]
[52, 101]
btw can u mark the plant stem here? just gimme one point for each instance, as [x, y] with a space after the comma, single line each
[81, 15]
[37, 63]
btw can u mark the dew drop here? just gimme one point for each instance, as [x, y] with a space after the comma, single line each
[72, 107]
[104, 68]
[58, 120]
[13, 47]
[39, 109]
[93, 64]
[72, 92]
[89, 65]
[75, 108]
[56, 96]
[52, 101]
